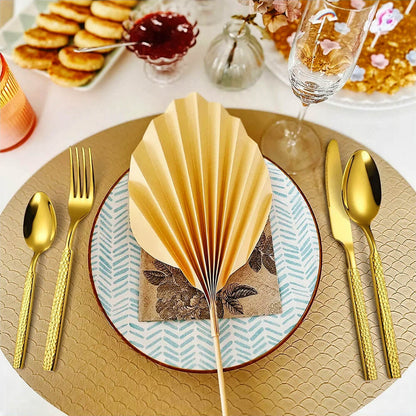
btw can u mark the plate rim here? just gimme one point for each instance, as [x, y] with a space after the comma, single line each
[235, 367]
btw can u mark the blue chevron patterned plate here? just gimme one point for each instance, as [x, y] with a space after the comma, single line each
[187, 345]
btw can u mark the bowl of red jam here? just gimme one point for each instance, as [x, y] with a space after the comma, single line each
[162, 39]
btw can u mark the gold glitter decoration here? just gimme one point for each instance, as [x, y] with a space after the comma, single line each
[395, 45]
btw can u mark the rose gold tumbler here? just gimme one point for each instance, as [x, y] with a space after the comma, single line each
[17, 118]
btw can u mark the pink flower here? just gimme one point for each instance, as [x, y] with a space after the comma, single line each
[357, 4]
[261, 6]
[379, 61]
[291, 8]
[291, 38]
[328, 46]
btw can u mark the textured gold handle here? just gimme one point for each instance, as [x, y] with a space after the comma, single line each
[361, 324]
[384, 315]
[24, 317]
[58, 312]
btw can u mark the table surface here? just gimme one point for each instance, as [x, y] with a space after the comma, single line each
[66, 116]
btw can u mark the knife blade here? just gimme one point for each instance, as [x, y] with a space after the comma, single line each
[341, 230]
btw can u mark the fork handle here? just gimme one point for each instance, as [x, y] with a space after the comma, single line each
[58, 311]
[384, 315]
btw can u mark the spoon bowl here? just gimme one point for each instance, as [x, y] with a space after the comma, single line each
[39, 229]
[39, 224]
[361, 189]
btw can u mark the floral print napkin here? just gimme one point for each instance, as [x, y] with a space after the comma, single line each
[252, 290]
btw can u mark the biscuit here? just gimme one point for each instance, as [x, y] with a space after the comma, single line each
[27, 56]
[57, 24]
[79, 2]
[88, 61]
[104, 28]
[109, 10]
[41, 38]
[127, 3]
[85, 39]
[70, 11]
[68, 77]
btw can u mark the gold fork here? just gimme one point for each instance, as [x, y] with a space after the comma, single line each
[80, 201]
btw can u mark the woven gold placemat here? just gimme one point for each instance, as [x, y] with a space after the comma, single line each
[316, 372]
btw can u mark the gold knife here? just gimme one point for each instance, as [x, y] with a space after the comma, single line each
[341, 230]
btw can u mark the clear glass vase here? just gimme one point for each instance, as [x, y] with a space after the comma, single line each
[235, 58]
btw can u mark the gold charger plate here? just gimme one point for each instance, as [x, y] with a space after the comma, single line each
[317, 371]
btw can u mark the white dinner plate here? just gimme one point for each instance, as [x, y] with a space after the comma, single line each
[114, 262]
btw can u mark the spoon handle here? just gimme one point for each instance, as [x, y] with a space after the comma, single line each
[105, 47]
[361, 324]
[24, 316]
[384, 315]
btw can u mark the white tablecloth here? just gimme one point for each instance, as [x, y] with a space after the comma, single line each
[66, 116]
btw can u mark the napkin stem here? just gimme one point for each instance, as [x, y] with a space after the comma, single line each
[215, 332]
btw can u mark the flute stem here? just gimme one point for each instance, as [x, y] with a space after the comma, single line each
[299, 120]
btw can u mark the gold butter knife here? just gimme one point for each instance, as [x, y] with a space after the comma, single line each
[341, 230]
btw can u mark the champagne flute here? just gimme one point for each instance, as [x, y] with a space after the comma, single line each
[324, 52]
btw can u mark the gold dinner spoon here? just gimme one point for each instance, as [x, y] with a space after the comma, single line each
[39, 227]
[361, 193]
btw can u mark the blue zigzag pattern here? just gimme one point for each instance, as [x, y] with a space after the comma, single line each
[115, 261]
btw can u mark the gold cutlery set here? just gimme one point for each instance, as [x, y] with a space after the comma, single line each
[39, 231]
[356, 195]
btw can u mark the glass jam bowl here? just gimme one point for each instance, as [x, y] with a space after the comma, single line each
[163, 37]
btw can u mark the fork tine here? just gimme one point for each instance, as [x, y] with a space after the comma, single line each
[91, 188]
[78, 184]
[71, 185]
[84, 176]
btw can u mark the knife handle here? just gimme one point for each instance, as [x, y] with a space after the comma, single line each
[58, 310]
[361, 324]
[388, 337]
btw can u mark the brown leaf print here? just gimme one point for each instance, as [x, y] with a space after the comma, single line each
[263, 254]
[163, 267]
[255, 260]
[236, 291]
[262, 241]
[269, 263]
[231, 293]
[234, 306]
[177, 299]
[268, 247]
[154, 277]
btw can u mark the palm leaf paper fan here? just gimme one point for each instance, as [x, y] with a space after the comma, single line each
[200, 195]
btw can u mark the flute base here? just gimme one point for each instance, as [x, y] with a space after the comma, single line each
[294, 146]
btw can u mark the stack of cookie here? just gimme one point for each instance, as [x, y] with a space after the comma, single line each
[70, 24]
